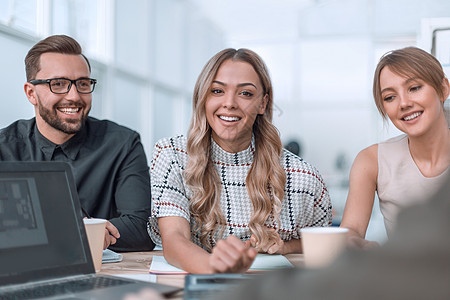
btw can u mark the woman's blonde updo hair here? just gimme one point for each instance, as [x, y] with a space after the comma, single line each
[266, 178]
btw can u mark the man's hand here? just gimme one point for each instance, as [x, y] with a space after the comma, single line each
[231, 256]
[111, 235]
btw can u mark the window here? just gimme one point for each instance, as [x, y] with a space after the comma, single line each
[19, 14]
[82, 20]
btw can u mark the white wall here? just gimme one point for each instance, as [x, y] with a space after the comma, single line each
[12, 78]
[147, 54]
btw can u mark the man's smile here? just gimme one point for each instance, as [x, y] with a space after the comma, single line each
[69, 110]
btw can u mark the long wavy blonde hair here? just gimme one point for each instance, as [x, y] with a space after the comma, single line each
[266, 178]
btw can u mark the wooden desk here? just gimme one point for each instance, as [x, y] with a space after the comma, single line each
[139, 263]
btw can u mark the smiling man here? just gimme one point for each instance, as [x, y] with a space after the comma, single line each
[108, 160]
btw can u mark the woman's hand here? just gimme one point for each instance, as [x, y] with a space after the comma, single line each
[274, 247]
[356, 242]
[231, 256]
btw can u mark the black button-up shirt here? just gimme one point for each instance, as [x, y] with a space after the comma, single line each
[110, 170]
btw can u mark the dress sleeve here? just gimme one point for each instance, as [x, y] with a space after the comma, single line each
[132, 198]
[322, 215]
[169, 196]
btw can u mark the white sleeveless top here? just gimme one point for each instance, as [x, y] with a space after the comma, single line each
[400, 182]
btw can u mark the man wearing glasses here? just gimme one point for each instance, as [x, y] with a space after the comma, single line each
[108, 160]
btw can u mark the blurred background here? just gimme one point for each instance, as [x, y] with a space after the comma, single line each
[147, 54]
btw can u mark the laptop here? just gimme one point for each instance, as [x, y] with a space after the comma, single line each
[44, 252]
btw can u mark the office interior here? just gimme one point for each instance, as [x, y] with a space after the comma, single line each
[147, 54]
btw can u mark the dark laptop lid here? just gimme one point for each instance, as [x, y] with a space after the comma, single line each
[35, 242]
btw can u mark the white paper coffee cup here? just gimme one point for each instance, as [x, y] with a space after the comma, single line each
[321, 245]
[95, 230]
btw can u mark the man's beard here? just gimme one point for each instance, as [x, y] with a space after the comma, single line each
[68, 126]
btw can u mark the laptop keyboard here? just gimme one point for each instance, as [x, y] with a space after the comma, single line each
[79, 285]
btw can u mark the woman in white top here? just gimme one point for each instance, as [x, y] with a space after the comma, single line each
[410, 88]
[229, 189]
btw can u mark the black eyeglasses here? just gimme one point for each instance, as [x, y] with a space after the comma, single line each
[63, 85]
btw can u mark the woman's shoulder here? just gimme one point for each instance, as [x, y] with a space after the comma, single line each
[368, 153]
[394, 146]
[396, 140]
[366, 159]
[394, 149]
[170, 148]
[365, 164]
[175, 142]
[295, 164]
[371, 153]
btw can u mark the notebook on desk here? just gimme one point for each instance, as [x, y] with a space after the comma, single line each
[44, 252]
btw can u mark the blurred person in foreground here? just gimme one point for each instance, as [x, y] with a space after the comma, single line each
[409, 88]
[229, 189]
[413, 264]
[107, 160]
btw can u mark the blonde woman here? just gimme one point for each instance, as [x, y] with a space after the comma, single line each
[410, 88]
[229, 189]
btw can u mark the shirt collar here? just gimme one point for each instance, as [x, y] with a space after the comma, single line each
[71, 148]
[221, 156]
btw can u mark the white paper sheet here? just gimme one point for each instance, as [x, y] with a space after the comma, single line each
[142, 277]
[262, 262]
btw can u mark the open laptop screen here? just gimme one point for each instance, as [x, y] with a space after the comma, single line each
[36, 244]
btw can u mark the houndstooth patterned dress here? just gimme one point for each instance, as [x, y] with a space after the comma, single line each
[306, 200]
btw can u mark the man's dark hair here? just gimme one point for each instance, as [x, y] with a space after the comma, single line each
[53, 44]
